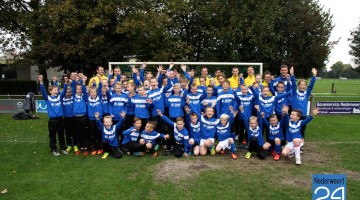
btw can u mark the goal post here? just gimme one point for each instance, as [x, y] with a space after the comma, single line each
[258, 66]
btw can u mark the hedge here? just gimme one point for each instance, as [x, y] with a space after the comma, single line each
[17, 87]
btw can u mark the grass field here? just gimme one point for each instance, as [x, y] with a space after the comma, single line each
[29, 171]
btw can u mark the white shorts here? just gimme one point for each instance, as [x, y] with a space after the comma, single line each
[224, 144]
[291, 145]
[202, 141]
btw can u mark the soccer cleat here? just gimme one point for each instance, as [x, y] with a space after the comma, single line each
[291, 154]
[137, 154]
[55, 153]
[277, 157]
[76, 150]
[155, 154]
[93, 153]
[68, 149]
[105, 155]
[234, 156]
[248, 155]
[99, 152]
[167, 152]
[302, 149]
[65, 152]
[273, 152]
[156, 147]
[298, 161]
[212, 151]
[86, 152]
[244, 142]
[189, 153]
[222, 152]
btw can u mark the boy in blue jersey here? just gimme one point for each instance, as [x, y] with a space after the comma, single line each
[276, 136]
[69, 125]
[141, 104]
[118, 102]
[195, 98]
[193, 125]
[149, 136]
[80, 95]
[301, 93]
[94, 106]
[210, 100]
[207, 130]
[181, 136]
[55, 113]
[223, 134]
[131, 139]
[225, 99]
[131, 88]
[109, 135]
[245, 99]
[293, 134]
[255, 136]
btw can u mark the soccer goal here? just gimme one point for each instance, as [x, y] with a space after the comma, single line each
[225, 66]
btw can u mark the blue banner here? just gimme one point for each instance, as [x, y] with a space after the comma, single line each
[329, 186]
[41, 106]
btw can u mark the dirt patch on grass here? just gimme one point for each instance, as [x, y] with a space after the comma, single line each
[352, 175]
[297, 183]
[177, 170]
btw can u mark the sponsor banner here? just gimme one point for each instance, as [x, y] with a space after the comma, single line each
[11, 105]
[41, 106]
[329, 186]
[338, 107]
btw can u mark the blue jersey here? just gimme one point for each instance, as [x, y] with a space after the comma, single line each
[80, 101]
[130, 108]
[141, 107]
[105, 104]
[224, 132]
[94, 105]
[151, 137]
[157, 97]
[130, 135]
[224, 101]
[195, 100]
[209, 101]
[176, 105]
[254, 132]
[247, 101]
[208, 127]
[277, 130]
[217, 89]
[118, 104]
[68, 103]
[181, 136]
[194, 129]
[110, 135]
[294, 128]
[54, 106]
[300, 98]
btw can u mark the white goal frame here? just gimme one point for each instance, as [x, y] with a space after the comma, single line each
[192, 64]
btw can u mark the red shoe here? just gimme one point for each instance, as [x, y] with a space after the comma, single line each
[77, 152]
[234, 156]
[100, 151]
[222, 152]
[93, 153]
[155, 154]
[86, 152]
[244, 142]
[277, 157]
[273, 152]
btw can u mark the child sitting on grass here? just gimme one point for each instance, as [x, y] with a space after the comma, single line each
[109, 135]
[149, 136]
[255, 134]
[293, 134]
[131, 138]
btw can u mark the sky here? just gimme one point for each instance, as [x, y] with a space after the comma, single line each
[346, 17]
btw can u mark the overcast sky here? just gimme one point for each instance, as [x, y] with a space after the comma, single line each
[346, 17]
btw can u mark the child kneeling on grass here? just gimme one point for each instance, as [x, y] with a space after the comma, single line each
[293, 133]
[149, 136]
[255, 135]
[181, 135]
[109, 135]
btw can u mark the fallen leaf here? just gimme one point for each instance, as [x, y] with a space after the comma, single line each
[4, 191]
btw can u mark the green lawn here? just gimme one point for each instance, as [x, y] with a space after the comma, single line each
[29, 171]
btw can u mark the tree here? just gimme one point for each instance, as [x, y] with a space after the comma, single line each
[81, 34]
[355, 46]
[338, 68]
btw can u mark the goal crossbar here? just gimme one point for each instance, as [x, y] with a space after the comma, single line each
[192, 63]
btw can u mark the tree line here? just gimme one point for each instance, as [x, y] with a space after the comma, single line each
[80, 34]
